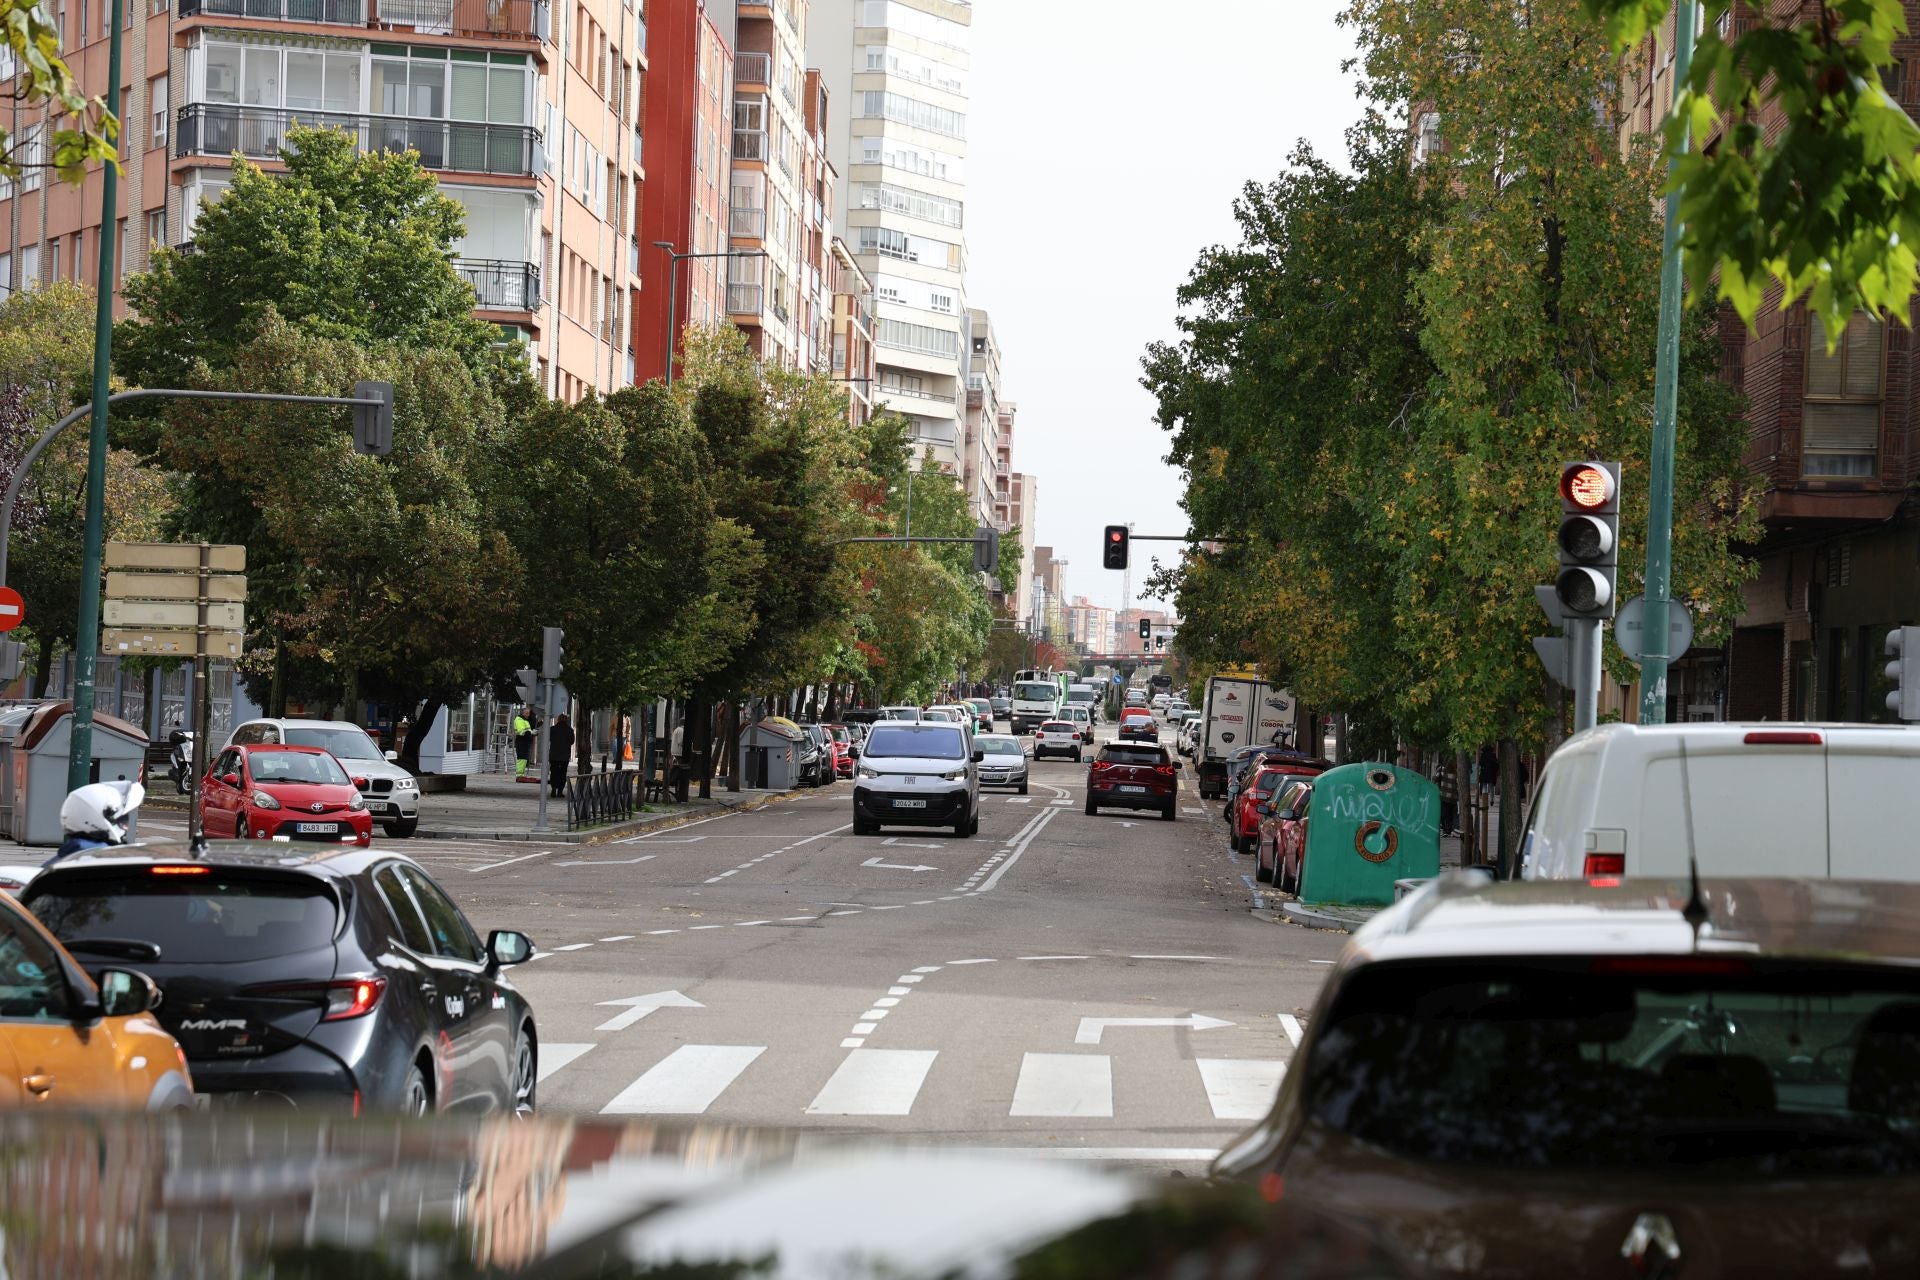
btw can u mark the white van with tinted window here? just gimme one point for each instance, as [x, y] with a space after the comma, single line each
[1838, 801]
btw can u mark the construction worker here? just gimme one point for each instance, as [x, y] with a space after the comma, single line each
[522, 741]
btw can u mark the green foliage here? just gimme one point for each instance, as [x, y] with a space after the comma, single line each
[1814, 184]
[86, 133]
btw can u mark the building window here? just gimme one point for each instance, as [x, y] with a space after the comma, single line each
[6, 275]
[1840, 420]
[1426, 143]
[156, 227]
[120, 253]
[157, 108]
[32, 156]
[30, 267]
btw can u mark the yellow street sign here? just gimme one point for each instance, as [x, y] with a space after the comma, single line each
[222, 557]
[122, 585]
[161, 642]
[183, 614]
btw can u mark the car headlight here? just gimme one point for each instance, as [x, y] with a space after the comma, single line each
[261, 800]
[865, 772]
[356, 804]
[406, 784]
[954, 775]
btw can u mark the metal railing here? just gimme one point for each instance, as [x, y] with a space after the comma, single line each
[752, 68]
[501, 285]
[349, 13]
[751, 223]
[600, 798]
[744, 299]
[780, 309]
[886, 390]
[475, 19]
[219, 129]
[749, 144]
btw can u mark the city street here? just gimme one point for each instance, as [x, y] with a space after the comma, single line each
[1060, 982]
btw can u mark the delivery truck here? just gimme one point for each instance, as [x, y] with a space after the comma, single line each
[1241, 710]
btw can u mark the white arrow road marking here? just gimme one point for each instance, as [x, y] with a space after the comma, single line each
[1291, 1025]
[1090, 1028]
[609, 862]
[638, 1007]
[555, 1056]
[910, 844]
[1129, 824]
[894, 866]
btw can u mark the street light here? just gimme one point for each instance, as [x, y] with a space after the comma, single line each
[673, 286]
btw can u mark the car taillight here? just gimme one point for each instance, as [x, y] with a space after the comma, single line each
[347, 998]
[1605, 864]
[1164, 770]
[179, 871]
[1782, 738]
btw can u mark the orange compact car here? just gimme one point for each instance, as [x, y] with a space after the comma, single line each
[68, 1040]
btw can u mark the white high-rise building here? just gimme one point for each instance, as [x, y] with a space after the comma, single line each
[900, 69]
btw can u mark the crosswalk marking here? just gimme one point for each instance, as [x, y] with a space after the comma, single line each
[874, 1082]
[555, 1056]
[1240, 1088]
[1064, 1084]
[686, 1081]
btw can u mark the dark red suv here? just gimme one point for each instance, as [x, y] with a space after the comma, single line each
[1134, 775]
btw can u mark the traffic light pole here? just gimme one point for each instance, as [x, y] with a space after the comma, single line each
[1583, 666]
[542, 765]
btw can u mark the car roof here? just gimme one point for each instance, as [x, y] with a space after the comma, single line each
[317, 859]
[283, 747]
[295, 722]
[1464, 915]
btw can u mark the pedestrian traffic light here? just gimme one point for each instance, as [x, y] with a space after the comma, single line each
[551, 652]
[1114, 552]
[373, 423]
[1903, 646]
[1146, 629]
[526, 685]
[1589, 538]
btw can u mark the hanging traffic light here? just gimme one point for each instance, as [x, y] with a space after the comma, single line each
[1589, 539]
[1114, 550]
[1146, 628]
[552, 653]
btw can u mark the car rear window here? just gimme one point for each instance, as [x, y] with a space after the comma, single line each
[193, 917]
[1058, 726]
[999, 746]
[929, 741]
[1133, 755]
[1717, 1063]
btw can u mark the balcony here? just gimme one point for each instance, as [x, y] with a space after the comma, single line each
[219, 129]
[346, 13]
[750, 144]
[744, 299]
[753, 68]
[912, 394]
[501, 286]
[749, 224]
[780, 309]
[471, 19]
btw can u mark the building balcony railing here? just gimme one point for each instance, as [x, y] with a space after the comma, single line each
[220, 129]
[744, 299]
[348, 13]
[501, 286]
[748, 223]
[786, 164]
[753, 68]
[780, 309]
[473, 19]
[915, 394]
[749, 144]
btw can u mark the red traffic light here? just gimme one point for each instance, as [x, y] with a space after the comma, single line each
[1587, 485]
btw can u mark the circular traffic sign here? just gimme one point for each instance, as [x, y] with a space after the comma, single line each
[1629, 629]
[1587, 485]
[13, 610]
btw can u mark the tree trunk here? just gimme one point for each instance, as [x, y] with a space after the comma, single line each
[699, 743]
[350, 695]
[582, 741]
[1463, 790]
[1509, 808]
[733, 747]
[410, 750]
[43, 671]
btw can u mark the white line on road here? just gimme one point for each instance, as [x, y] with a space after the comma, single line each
[989, 960]
[1064, 1084]
[748, 924]
[1039, 824]
[654, 933]
[874, 1082]
[576, 946]
[607, 862]
[619, 937]
[1173, 957]
[555, 1056]
[698, 822]
[1053, 957]
[794, 919]
[1240, 1088]
[510, 861]
[1091, 1028]
[686, 1081]
[1291, 1025]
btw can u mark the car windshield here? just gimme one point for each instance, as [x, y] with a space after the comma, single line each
[1036, 691]
[217, 917]
[1711, 1064]
[1265, 782]
[1133, 755]
[342, 741]
[840, 733]
[915, 741]
[295, 766]
[999, 745]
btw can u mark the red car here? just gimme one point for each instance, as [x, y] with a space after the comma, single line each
[275, 792]
[1244, 829]
[842, 749]
[1283, 835]
[1138, 725]
[1127, 775]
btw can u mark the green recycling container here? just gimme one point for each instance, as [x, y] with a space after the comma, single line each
[1369, 825]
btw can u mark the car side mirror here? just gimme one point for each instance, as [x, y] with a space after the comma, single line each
[508, 947]
[126, 992]
[231, 779]
[1263, 809]
[393, 755]
[978, 755]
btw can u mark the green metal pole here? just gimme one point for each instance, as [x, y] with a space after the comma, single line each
[86, 641]
[1666, 393]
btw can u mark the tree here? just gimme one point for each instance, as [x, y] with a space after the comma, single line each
[88, 132]
[347, 245]
[1814, 186]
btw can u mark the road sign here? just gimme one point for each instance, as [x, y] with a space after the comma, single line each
[161, 642]
[13, 610]
[1629, 629]
[1090, 1028]
[225, 616]
[122, 585]
[638, 1007]
[221, 557]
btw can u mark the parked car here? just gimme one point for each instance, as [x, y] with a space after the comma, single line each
[71, 1038]
[1189, 737]
[1242, 763]
[1137, 725]
[1060, 738]
[1002, 707]
[1282, 852]
[982, 715]
[1004, 761]
[393, 794]
[1134, 776]
[283, 793]
[1757, 799]
[898, 713]
[1569, 1079]
[843, 749]
[816, 756]
[922, 775]
[338, 977]
[1261, 785]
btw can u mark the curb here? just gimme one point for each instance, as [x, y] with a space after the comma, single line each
[1312, 919]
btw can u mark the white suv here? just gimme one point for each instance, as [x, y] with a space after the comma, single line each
[392, 795]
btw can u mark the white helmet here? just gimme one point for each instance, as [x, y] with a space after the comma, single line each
[101, 809]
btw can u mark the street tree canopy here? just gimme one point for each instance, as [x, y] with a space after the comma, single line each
[1826, 205]
[85, 133]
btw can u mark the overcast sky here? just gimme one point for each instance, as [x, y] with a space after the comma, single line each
[1105, 144]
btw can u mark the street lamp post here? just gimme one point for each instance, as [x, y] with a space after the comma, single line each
[673, 287]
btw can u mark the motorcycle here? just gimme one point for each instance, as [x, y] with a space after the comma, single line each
[180, 760]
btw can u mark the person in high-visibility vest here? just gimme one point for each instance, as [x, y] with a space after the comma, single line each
[522, 741]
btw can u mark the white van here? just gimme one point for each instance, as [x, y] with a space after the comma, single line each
[1766, 799]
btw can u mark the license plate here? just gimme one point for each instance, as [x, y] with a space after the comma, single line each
[315, 826]
[909, 804]
[1140, 790]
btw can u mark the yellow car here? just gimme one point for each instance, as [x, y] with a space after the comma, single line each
[67, 1040]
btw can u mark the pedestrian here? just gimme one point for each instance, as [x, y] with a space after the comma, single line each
[677, 771]
[559, 749]
[1449, 799]
[522, 741]
[1489, 772]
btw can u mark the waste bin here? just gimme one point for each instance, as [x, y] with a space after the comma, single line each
[10, 721]
[38, 767]
[770, 754]
[1369, 825]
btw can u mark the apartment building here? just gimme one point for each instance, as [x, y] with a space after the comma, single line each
[852, 336]
[688, 155]
[901, 68]
[1090, 628]
[1834, 444]
[1015, 510]
[526, 110]
[986, 411]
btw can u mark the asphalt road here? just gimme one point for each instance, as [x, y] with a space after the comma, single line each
[1088, 985]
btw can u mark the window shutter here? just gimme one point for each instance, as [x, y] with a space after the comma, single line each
[469, 92]
[1862, 345]
[1824, 369]
[1841, 428]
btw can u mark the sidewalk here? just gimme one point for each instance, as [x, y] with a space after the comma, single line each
[495, 807]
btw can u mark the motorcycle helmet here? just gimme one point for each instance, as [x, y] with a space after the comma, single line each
[101, 810]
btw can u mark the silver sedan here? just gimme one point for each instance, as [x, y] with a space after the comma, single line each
[1004, 763]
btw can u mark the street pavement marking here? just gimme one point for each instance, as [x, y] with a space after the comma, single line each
[603, 862]
[619, 937]
[1240, 1088]
[555, 1056]
[686, 1081]
[852, 1042]
[929, 968]
[1291, 1025]
[654, 933]
[794, 919]
[875, 1014]
[510, 861]
[697, 927]
[574, 946]
[989, 960]
[874, 1082]
[1019, 799]
[1173, 957]
[1064, 1084]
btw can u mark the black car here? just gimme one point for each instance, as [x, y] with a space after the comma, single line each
[336, 976]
